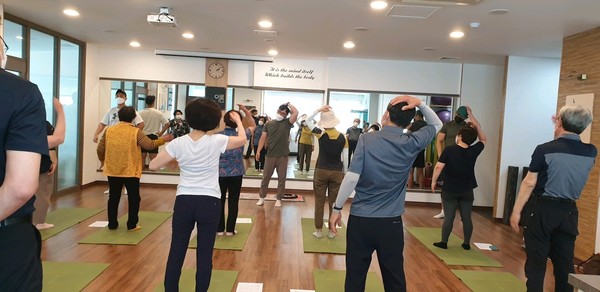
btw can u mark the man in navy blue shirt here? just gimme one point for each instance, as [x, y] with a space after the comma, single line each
[378, 174]
[22, 142]
[557, 174]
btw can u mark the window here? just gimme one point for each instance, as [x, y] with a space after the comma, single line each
[13, 36]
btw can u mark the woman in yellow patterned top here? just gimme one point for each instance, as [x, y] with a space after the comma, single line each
[120, 152]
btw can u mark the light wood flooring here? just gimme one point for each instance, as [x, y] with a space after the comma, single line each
[273, 253]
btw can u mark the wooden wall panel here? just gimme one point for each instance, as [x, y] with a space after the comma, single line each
[581, 54]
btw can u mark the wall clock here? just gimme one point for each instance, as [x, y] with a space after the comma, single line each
[216, 70]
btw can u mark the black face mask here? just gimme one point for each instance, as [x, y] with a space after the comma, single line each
[458, 119]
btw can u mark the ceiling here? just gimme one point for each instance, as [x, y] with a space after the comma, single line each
[316, 29]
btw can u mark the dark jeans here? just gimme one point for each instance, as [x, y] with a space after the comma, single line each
[115, 185]
[202, 211]
[20, 263]
[384, 235]
[551, 230]
[305, 153]
[464, 202]
[351, 147]
[261, 163]
[233, 185]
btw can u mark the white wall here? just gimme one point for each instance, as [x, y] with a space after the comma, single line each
[482, 91]
[394, 76]
[530, 102]
[91, 114]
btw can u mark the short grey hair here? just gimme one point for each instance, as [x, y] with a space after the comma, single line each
[575, 118]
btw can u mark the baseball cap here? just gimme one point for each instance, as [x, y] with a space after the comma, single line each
[462, 112]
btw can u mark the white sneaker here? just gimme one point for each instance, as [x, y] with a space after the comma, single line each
[260, 202]
[278, 203]
[331, 235]
[106, 192]
[41, 226]
[440, 215]
[318, 234]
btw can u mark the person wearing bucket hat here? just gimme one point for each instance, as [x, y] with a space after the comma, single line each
[332, 163]
[378, 174]
[275, 138]
[447, 137]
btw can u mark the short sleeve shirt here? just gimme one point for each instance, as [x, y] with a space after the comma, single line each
[451, 129]
[111, 117]
[353, 133]
[459, 169]
[22, 124]
[154, 120]
[198, 163]
[278, 138]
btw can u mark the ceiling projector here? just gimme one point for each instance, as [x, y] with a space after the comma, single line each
[163, 18]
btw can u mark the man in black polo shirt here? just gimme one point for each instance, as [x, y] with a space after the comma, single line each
[22, 140]
[558, 172]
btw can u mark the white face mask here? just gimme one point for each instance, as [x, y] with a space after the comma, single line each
[355, 124]
[120, 100]
[278, 117]
[260, 123]
[178, 117]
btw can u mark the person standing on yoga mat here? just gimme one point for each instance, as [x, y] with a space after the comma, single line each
[332, 163]
[231, 172]
[120, 151]
[558, 172]
[458, 164]
[198, 198]
[378, 173]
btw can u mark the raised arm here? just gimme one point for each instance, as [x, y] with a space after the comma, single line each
[309, 120]
[240, 139]
[59, 130]
[480, 134]
[438, 143]
[293, 113]
[248, 118]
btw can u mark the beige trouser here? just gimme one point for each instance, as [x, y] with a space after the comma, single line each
[325, 181]
[43, 198]
[279, 163]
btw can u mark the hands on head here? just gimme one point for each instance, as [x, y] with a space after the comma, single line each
[325, 108]
[411, 101]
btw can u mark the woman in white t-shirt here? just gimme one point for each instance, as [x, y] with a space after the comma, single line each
[198, 199]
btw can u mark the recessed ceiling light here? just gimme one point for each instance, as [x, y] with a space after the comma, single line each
[273, 52]
[188, 35]
[499, 11]
[265, 24]
[361, 28]
[134, 44]
[378, 4]
[457, 34]
[19, 37]
[349, 44]
[71, 12]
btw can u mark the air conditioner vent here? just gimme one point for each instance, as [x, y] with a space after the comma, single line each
[411, 11]
[447, 58]
[444, 2]
[265, 33]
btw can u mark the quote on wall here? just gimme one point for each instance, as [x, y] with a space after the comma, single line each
[289, 73]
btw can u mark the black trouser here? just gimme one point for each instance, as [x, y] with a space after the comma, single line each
[202, 211]
[384, 235]
[464, 202]
[233, 185]
[20, 263]
[261, 163]
[351, 147]
[115, 185]
[551, 230]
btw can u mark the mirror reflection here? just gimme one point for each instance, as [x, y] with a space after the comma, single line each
[359, 113]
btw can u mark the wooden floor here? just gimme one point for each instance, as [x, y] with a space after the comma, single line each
[273, 253]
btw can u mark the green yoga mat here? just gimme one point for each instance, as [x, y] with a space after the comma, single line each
[333, 281]
[480, 281]
[455, 255]
[236, 242]
[219, 281]
[149, 221]
[64, 218]
[336, 245]
[60, 277]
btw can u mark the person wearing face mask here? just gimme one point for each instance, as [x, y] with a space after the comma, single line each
[111, 117]
[178, 126]
[275, 137]
[259, 164]
[447, 137]
[352, 135]
[23, 142]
